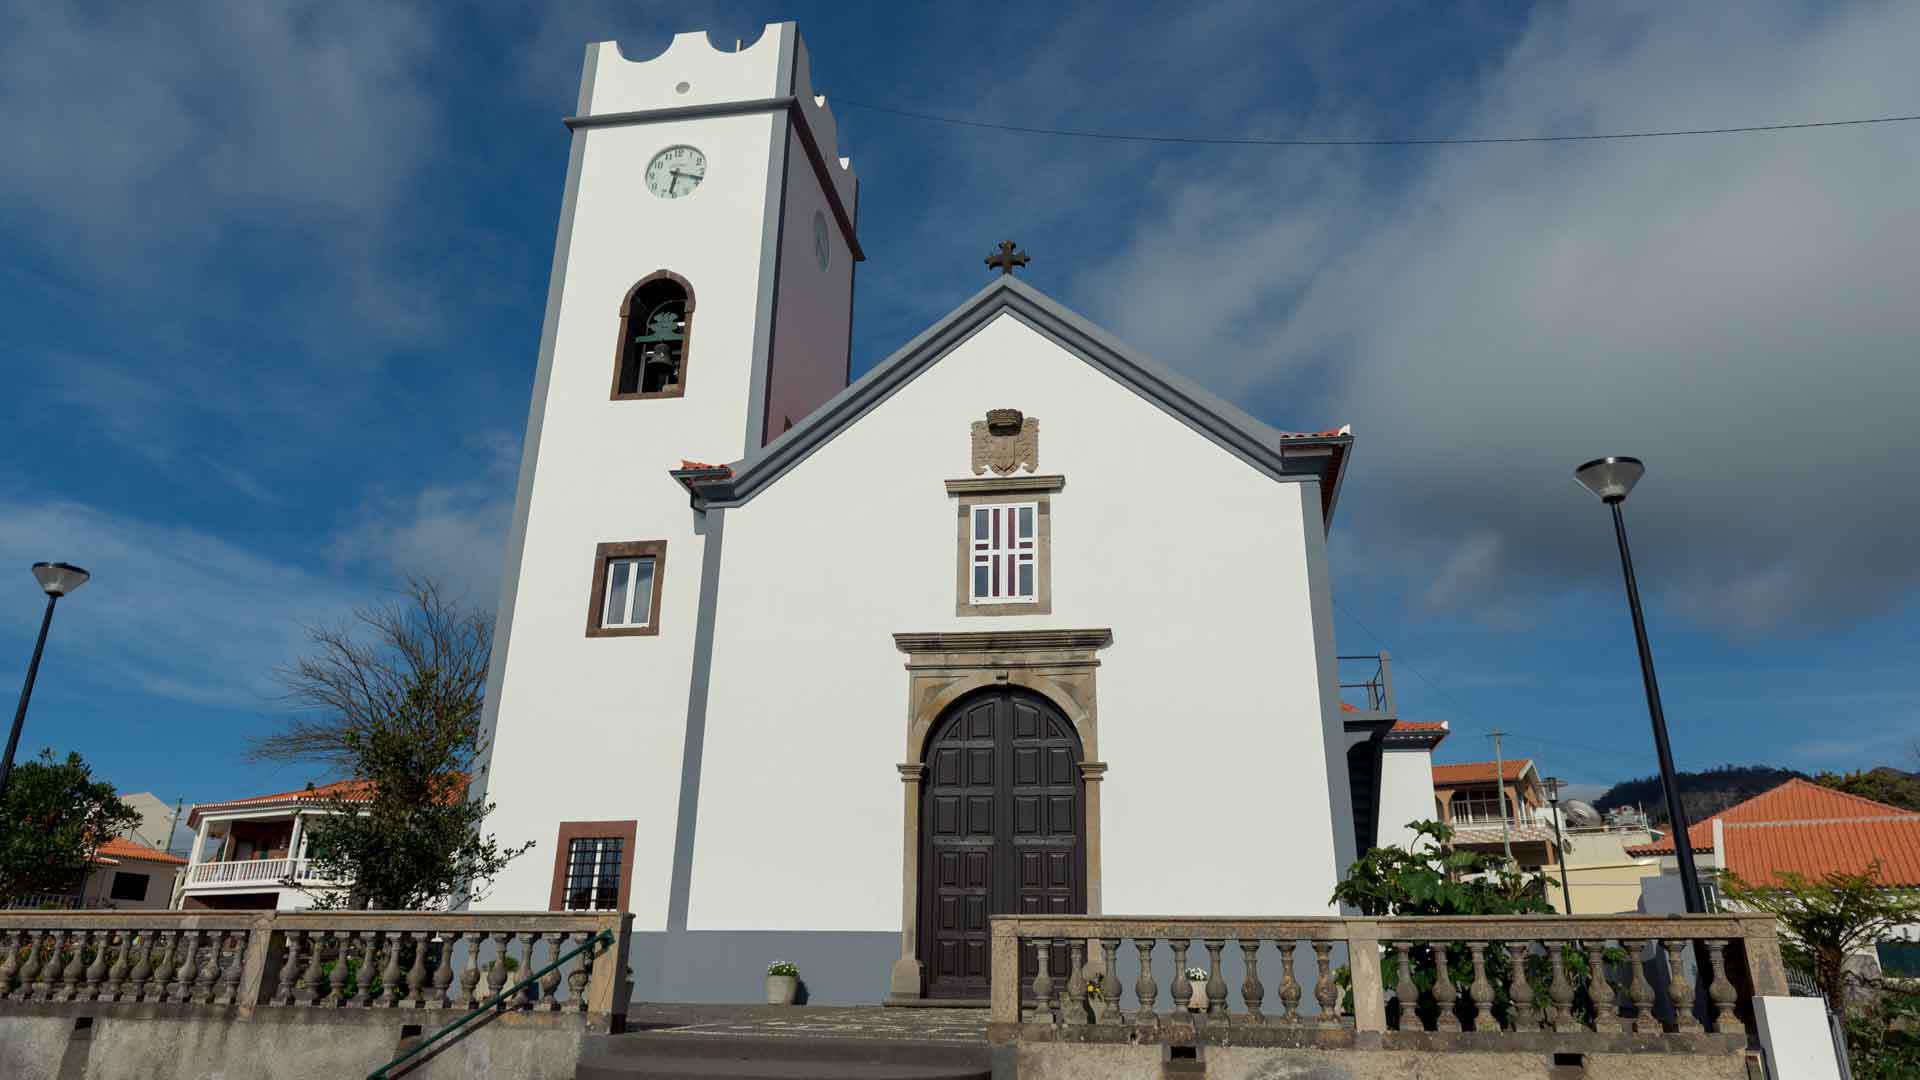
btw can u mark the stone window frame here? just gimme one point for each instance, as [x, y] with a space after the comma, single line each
[597, 592]
[569, 831]
[998, 491]
[679, 389]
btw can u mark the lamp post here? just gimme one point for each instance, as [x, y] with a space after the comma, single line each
[1610, 479]
[57, 579]
[1553, 784]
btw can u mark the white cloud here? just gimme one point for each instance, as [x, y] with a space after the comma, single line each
[453, 533]
[1737, 310]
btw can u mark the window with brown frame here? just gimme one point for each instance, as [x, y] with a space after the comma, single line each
[656, 330]
[593, 866]
[625, 598]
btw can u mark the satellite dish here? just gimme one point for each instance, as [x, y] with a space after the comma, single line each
[1581, 814]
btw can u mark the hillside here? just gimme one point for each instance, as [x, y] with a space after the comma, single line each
[1701, 793]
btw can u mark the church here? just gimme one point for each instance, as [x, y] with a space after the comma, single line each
[793, 666]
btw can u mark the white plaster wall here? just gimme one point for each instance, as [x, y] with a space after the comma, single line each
[1406, 794]
[713, 71]
[814, 310]
[1194, 559]
[591, 729]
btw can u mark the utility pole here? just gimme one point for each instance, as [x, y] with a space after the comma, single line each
[1500, 782]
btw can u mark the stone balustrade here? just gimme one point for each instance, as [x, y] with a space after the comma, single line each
[1417, 983]
[244, 961]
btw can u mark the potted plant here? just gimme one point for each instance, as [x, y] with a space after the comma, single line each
[1197, 978]
[783, 982]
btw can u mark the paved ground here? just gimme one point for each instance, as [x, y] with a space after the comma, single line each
[952, 1026]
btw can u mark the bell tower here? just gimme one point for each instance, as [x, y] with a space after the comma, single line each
[700, 303]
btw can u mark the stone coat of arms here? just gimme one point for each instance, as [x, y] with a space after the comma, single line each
[1005, 441]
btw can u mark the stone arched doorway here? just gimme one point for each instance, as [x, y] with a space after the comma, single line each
[1002, 829]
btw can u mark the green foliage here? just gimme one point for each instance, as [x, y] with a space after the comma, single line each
[1822, 922]
[55, 819]
[1883, 1036]
[1883, 784]
[1431, 880]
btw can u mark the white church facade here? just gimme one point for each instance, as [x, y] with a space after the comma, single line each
[1021, 620]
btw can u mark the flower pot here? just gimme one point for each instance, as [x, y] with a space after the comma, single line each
[781, 989]
[1198, 1002]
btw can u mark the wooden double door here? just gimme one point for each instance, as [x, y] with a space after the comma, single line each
[1002, 831]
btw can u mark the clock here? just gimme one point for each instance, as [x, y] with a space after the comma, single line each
[821, 247]
[676, 171]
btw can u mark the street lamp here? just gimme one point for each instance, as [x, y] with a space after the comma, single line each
[1610, 479]
[57, 579]
[1553, 784]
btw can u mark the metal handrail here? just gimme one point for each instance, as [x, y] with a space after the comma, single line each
[603, 938]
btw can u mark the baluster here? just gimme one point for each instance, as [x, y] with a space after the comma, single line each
[203, 986]
[1043, 978]
[337, 978]
[180, 975]
[1480, 989]
[117, 974]
[1640, 991]
[76, 969]
[550, 982]
[313, 985]
[443, 971]
[1522, 1013]
[1252, 993]
[368, 971]
[470, 978]
[1182, 986]
[528, 993]
[497, 978]
[577, 978]
[289, 977]
[1721, 991]
[1560, 991]
[29, 967]
[164, 968]
[1110, 992]
[417, 973]
[1216, 983]
[1325, 992]
[142, 970]
[586, 967]
[1405, 990]
[230, 974]
[1289, 986]
[1076, 982]
[1679, 990]
[1445, 995]
[46, 985]
[96, 974]
[393, 983]
[10, 964]
[1146, 992]
[1600, 989]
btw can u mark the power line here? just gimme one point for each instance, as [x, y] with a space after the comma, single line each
[1206, 140]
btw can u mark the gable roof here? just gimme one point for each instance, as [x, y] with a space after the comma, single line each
[1283, 456]
[118, 848]
[344, 790]
[1801, 827]
[1481, 772]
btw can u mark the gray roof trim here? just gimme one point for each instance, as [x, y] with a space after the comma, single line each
[1284, 459]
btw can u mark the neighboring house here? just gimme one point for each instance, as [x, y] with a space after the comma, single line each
[1803, 828]
[1602, 875]
[1468, 797]
[1406, 779]
[1021, 620]
[157, 820]
[244, 848]
[126, 875]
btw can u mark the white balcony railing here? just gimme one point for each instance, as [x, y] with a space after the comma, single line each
[249, 872]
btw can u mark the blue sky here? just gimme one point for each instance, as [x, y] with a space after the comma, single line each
[274, 274]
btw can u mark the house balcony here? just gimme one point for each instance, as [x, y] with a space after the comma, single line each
[255, 872]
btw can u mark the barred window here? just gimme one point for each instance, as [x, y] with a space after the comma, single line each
[593, 873]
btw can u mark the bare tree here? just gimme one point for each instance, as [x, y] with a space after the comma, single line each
[347, 685]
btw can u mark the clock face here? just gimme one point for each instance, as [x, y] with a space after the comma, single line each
[676, 171]
[822, 249]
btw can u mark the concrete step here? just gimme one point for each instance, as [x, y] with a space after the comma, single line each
[663, 1056]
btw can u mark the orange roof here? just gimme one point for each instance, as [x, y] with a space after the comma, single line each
[348, 790]
[1344, 430]
[122, 848]
[1419, 725]
[1480, 772]
[1801, 827]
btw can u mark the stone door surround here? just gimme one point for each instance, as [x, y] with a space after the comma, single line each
[1058, 665]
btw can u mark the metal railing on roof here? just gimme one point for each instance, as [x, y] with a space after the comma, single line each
[1366, 682]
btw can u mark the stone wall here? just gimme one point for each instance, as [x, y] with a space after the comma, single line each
[1080, 1062]
[77, 1042]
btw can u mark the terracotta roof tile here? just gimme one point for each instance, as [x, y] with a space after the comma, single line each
[349, 790]
[1479, 772]
[122, 848]
[1419, 725]
[1804, 828]
[1331, 433]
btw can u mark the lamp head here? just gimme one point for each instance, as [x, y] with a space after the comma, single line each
[1610, 478]
[58, 578]
[1553, 784]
